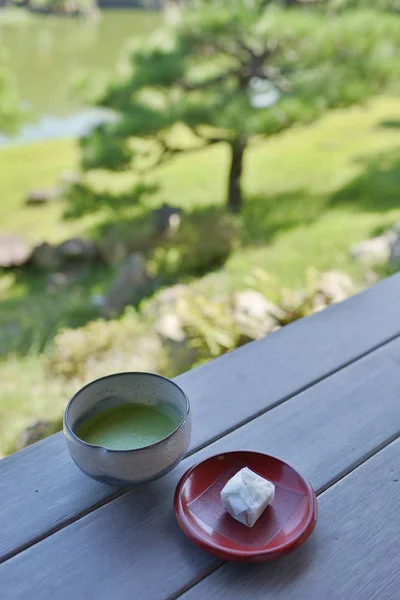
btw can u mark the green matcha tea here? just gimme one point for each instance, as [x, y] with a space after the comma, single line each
[128, 426]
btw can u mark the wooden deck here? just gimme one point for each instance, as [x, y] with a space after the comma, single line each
[322, 394]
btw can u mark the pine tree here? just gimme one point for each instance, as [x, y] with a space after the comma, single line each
[237, 71]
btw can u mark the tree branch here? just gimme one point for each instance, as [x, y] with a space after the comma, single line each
[254, 68]
[217, 45]
[205, 138]
[246, 48]
[167, 152]
[277, 79]
[260, 58]
[190, 87]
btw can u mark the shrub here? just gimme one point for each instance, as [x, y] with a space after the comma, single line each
[209, 324]
[203, 241]
[320, 290]
[103, 347]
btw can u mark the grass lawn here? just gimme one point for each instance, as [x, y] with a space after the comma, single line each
[34, 166]
[310, 194]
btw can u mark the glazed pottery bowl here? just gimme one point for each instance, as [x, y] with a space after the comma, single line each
[128, 467]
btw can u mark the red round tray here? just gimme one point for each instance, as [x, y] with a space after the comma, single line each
[283, 527]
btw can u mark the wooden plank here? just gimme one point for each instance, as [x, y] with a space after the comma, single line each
[133, 547]
[45, 491]
[353, 553]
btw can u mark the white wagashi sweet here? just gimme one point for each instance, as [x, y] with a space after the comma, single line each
[246, 495]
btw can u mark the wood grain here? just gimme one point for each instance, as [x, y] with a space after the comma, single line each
[353, 553]
[42, 490]
[132, 546]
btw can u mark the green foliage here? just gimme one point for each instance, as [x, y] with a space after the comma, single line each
[202, 70]
[295, 304]
[70, 356]
[317, 292]
[30, 317]
[100, 150]
[126, 344]
[203, 241]
[131, 344]
[120, 237]
[209, 325]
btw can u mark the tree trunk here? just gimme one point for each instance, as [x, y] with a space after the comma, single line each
[235, 199]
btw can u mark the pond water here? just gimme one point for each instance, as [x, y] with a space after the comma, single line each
[47, 55]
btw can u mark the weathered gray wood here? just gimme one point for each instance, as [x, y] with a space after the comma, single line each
[224, 394]
[132, 546]
[353, 553]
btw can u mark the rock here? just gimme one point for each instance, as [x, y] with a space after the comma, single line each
[53, 258]
[47, 257]
[396, 228]
[169, 327]
[78, 250]
[375, 251]
[113, 251]
[382, 250]
[256, 305]
[333, 286]
[254, 314]
[132, 281]
[394, 260]
[319, 302]
[36, 432]
[370, 277]
[42, 196]
[62, 279]
[166, 300]
[167, 219]
[14, 251]
[170, 295]
[181, 356]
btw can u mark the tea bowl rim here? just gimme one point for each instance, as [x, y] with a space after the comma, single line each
[131, 450]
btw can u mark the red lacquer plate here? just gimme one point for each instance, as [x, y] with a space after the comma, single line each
[283, 527]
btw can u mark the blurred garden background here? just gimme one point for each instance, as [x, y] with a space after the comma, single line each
[179, 178]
